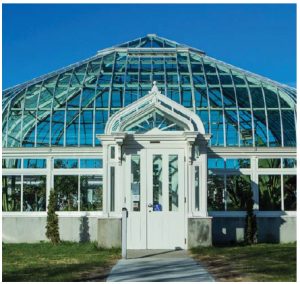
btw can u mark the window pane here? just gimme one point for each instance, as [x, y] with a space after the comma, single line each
[86, 128]
[246, 128]
[157, 183]
[34, 163]
[215, 192]
[289, 163]
[217, 128]
[216, 163]
[91, 190]
[135, 182]
[91, 163]
[274, 128]
[11, 193]
[288, 126]
[231, 125]
[237, 191]
[290, 193]
[66, 189]
[34, 193]
[238, 164]
[269, 192]
[260, 128]
[11, 163]
[173, 183]
[65, 163]
[269, 163]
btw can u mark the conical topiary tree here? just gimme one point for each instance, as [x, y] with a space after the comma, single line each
[250, 222]
[52, 228]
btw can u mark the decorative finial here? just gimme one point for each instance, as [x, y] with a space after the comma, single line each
[154, 88]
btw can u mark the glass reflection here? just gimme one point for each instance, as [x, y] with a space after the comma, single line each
[34, 193]
[157, 183]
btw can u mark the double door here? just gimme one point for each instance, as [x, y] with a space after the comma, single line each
[154, 192]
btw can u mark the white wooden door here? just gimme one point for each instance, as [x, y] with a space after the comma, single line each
[155, 199]
[165, 198]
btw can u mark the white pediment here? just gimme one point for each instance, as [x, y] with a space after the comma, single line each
[154, 112]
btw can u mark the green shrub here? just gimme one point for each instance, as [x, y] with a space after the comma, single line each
[250, 222]
[52, 228]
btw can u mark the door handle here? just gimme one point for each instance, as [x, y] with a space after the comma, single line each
[150, 205]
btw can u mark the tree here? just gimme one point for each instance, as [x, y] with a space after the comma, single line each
[250, 222]
[52, 229]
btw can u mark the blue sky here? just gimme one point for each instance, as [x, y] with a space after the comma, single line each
[40, 38]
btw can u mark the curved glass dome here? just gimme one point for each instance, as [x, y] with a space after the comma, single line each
[70, 106]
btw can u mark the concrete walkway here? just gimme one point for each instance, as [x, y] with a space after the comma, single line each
[158, 266]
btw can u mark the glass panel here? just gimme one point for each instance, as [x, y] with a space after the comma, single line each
[271, 98]
[201, 97]
[257, 97]
[238, 164]
[269, 163]
[173, 183]
[11, 163]
[112, 189]
[269, 192]
[11, 193]
[57, 128]
[34, 193]
[66, 188]
[157, 183]
[260, 128]
[242, 97]
[229, 97]
[232, 136]
[246, 128]
[274, 128]
[86, 128]
[72, 128]
[43, 128]
[290, 192]
[215, 97]
[91, 190]
[65, 163]
[215, 192]
[154, 120]
[288, 126]
[289, 163]
[135, 182]
[197, 189]
[29, 123]
[91, 163]
[216, 163]
[34, 163]
[237, 191]
[14, 128]
[217, 128]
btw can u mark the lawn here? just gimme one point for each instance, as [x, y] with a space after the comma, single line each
[63, 262]
[261, 262]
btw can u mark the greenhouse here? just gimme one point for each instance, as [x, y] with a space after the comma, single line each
[176, 137]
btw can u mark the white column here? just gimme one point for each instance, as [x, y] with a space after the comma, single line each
[49, 184]
[203, 182]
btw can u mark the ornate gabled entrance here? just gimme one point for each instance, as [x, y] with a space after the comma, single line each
[149, 155]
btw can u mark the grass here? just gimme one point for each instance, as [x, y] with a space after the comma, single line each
[261, 262]
[63, 262]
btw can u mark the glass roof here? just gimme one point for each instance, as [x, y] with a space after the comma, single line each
[70, 106]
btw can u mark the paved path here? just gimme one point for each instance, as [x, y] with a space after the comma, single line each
[158, 266]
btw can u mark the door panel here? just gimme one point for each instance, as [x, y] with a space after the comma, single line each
[135, 199]
[155, 199]
[165, 192]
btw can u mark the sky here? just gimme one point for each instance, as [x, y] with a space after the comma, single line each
[40, 38]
